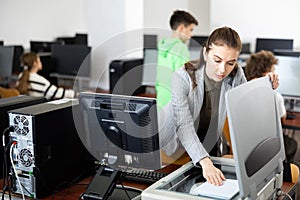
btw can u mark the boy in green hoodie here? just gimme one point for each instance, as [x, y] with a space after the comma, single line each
[173, 53]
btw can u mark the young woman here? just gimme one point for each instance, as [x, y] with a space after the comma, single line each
[31, 83]
[196, 115]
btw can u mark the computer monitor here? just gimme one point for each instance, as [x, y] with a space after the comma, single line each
[18, 51]
[1, 43]
[283, 52]
[149, 66]
[120, 131]
[72, 59]
[42, 46]
[48, 67]
[66, 40]
[258, 148]
[195, 53]
[150, 41]
[6, 61]
[270, 44]
[81, 38]
[246, 48]
[288, 70]
[197, 41]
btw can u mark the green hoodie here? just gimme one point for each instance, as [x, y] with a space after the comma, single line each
[172, 54]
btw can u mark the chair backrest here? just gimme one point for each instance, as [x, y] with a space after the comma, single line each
[226, 134]
[5, 92]
[294, 173]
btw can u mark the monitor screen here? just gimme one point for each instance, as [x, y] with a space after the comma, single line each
[66, 40]
[6, 60]
[197, 41]
[18, 51]
[1, 43]
[81, 38]
[149, 66]
[120, 131]
[195, 53]
[41, 46]
[245, 48]
[258, 148]
[272, 44]
[72, 59]
[288, 70]
[150, 41]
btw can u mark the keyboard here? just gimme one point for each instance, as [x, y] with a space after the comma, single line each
[291, 116]
[142, 176]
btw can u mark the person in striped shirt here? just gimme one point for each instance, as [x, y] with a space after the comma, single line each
[33, 84]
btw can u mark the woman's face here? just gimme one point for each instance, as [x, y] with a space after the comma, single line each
[38, 63]
[220, 61]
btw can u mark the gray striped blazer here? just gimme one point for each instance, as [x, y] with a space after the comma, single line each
[178, 119]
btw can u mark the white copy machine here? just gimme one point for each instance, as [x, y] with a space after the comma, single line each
[258, 149]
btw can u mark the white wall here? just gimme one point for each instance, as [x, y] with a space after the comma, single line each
[256, 18]
[22, 21]
[157, 14]
[114, 33]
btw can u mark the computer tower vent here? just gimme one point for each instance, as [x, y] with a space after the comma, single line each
[26, 157]
[21, 124]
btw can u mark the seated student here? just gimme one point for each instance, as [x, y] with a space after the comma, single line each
[259, 65]
[31, 83]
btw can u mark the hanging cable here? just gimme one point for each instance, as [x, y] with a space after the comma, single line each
[5, 166]
[14, 168]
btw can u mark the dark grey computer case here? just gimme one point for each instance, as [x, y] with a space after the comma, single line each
[11, 103]
[49, 152]
[125, 76]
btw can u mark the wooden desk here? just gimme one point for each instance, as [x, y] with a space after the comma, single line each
[289, 188]
[292, 123]
[74, 191]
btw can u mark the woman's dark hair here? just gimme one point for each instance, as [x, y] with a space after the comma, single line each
[224, 36]
[27, 60]
[259, 64]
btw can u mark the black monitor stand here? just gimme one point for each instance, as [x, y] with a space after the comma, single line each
[103, 184]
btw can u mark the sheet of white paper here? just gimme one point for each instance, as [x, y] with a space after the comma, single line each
[227, 190]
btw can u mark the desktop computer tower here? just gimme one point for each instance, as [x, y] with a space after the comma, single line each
[126, 76]
[48, 154]
[7, 104]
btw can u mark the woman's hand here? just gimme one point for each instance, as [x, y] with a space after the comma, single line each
[212, 174]
[274, 79]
